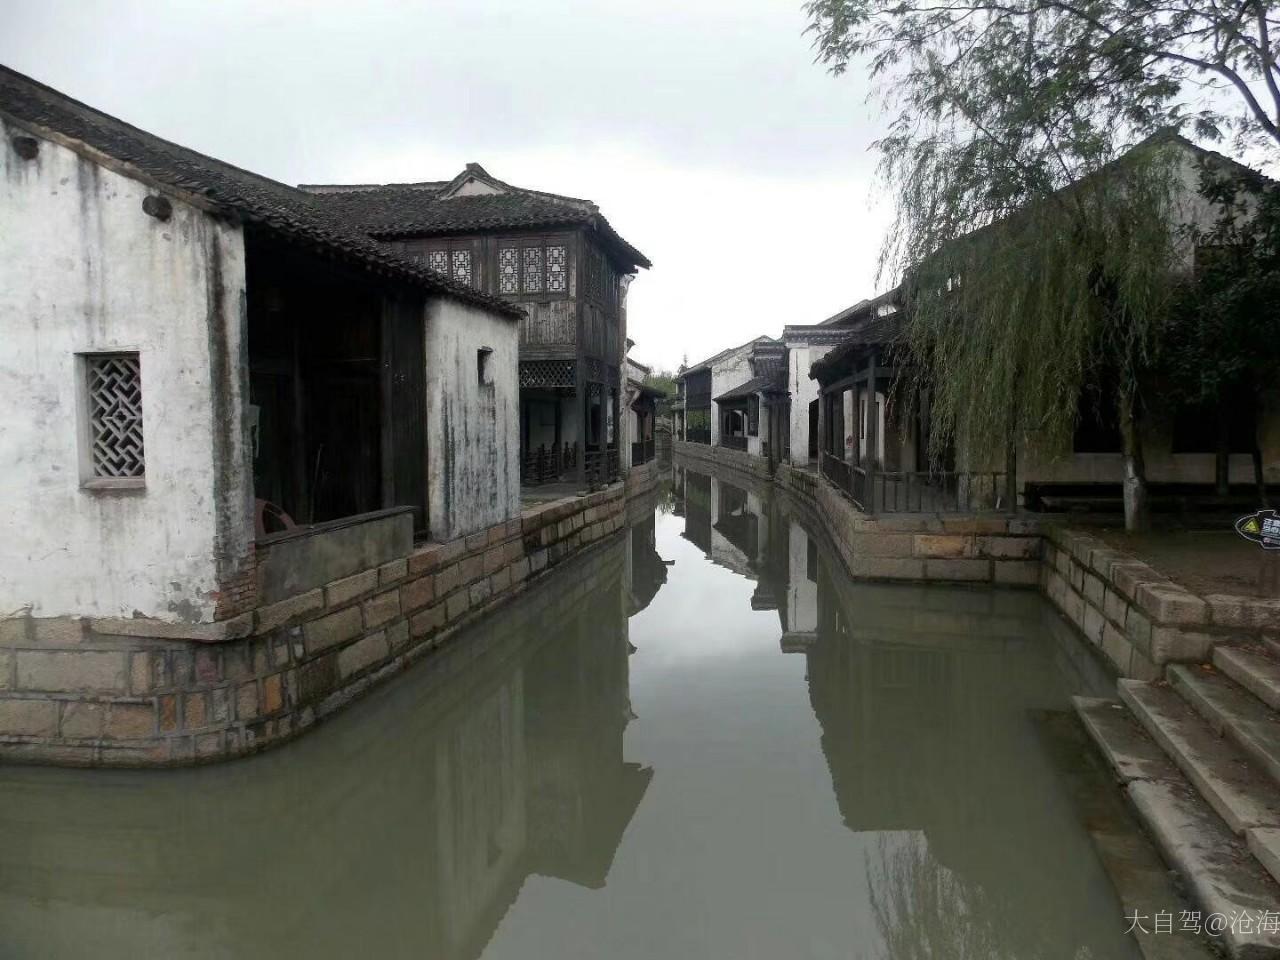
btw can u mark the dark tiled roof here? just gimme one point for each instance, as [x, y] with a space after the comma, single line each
[754, 385]
[252, 198]
[878, 331]
[423, 209]
[696, 367]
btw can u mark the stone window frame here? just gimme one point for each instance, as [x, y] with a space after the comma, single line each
[92, 475]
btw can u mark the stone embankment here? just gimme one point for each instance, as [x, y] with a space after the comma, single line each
[342, 610]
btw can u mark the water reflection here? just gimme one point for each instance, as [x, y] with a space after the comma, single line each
[404, 827]
[843, 770]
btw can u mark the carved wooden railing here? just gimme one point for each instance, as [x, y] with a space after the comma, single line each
[698, 435]
[642, 451]
[734, 443]
[912, 491]
[547, 464]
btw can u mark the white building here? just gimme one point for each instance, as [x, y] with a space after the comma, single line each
[198, 356]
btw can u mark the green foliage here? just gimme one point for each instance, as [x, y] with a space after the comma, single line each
[1008, 326]
[1037, 263]
[662, 380]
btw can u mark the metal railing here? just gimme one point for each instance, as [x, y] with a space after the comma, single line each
[734, 443]
[547, 463]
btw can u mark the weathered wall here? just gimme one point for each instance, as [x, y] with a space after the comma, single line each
[125, 692]
[473, 439]
[83, 268]
[804, 390]
[727, 373]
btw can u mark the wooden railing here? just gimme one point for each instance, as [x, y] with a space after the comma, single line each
[547, 464]
[600, 466]
[734, 443]
[903, 491]
[642, 451]
[698, 435]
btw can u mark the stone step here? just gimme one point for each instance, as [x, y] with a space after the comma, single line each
[1264, 842]
[1216, 865]
[1254, 667]
[1240, 794]
[1233, 712]
[1132, 754]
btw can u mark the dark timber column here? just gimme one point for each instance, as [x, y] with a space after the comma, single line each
[873, 433]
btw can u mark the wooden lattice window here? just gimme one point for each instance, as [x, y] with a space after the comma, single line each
[557, 268]
[113, 394]
[508, 270]
[533, 267]
[533, 274]
[453, 260]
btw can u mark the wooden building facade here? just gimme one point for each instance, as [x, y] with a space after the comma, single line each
[560, 261]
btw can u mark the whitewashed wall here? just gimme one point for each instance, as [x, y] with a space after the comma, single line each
[473, 429]
[727, 373]
[802, 593]
[82, 268]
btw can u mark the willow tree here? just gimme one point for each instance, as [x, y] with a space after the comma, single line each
[1038, 265]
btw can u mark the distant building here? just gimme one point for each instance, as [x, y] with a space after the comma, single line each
[198, 356]
[556, 257]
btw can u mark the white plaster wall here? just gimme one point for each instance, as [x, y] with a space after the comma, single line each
[82, 268]
[803, 392]
[802, 593]
[473, 434]
[727, 373]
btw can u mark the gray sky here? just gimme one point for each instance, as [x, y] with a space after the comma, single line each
[702, 128]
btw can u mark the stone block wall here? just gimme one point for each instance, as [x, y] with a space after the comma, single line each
[78, 691]
[724, 456]
[1139, 618]
[975, 548]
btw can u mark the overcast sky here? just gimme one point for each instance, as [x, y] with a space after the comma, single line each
[702, 128]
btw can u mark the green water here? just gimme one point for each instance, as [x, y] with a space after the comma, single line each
[700, 741]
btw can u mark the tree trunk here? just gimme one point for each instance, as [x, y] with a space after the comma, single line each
[1222, 454]
[1137, 513]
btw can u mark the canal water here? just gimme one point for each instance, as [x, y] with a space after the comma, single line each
[700, 741]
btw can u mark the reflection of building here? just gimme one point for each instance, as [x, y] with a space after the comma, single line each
[800, 626]
[506, 761]
[926, 699]
[646, 572]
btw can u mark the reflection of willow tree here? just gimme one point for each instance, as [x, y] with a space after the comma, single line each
[923, 911]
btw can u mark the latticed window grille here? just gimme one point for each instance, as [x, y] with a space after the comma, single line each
[508, 270]
[546, 373]
[462, 266]
[557, 269]
[114, 390]
[438, 260]
[532, 269]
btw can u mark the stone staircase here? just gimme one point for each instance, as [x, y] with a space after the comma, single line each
[1198, 753]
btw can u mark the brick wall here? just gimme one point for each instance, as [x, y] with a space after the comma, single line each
[136, 693]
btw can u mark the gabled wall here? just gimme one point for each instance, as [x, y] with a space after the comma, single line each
[83, 268]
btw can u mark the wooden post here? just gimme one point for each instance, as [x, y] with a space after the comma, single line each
[873, 434]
